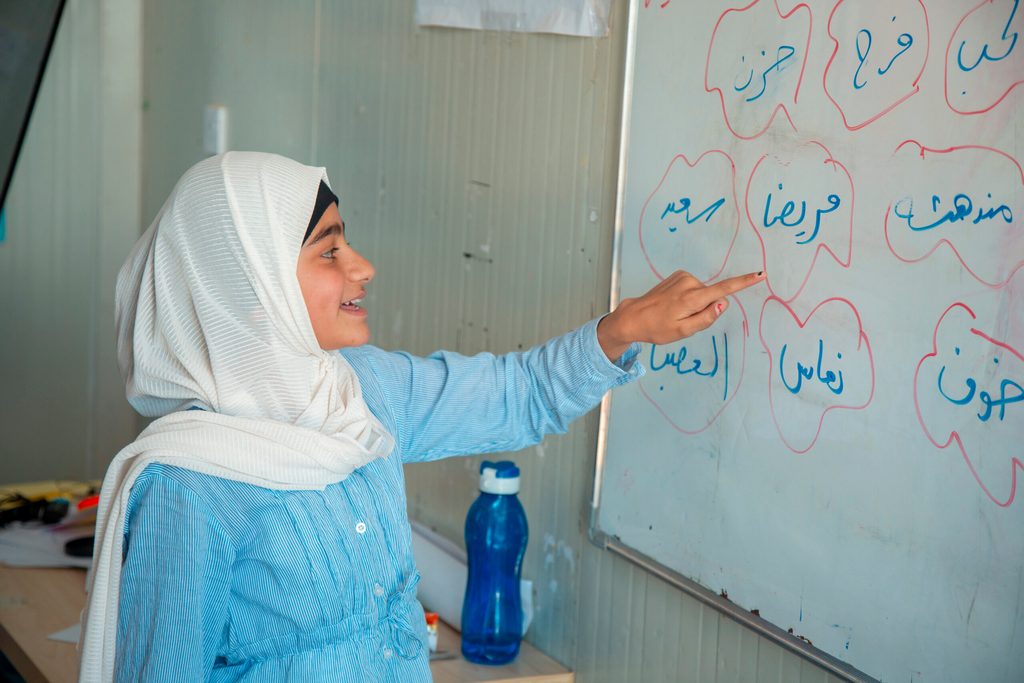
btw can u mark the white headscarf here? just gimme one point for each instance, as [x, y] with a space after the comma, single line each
[210, 314]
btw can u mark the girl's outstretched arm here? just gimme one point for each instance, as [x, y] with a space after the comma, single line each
[450, 404]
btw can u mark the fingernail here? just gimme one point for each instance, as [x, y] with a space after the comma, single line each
[720, 308]
[760, 273]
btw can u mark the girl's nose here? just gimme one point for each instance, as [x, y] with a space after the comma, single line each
[360, 269]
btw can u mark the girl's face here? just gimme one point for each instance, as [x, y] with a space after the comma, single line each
[333, 277]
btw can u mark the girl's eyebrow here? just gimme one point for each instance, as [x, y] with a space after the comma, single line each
[332, 229]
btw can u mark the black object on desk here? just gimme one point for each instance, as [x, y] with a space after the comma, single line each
[18, 508]
[80, 547]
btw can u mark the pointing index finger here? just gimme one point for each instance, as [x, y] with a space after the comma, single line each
[732, 285]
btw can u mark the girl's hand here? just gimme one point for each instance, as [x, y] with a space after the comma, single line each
[675, 308]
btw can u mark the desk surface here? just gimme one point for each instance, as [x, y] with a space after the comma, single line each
[37, 602]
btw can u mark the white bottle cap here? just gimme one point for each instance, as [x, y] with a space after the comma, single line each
[501, 478]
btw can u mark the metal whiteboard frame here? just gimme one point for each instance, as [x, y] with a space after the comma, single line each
[605, 541]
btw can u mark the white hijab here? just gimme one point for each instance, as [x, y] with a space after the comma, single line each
[210, 314]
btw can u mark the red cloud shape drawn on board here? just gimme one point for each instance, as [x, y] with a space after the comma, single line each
[877, 59]
[969, 390]
[969, 198]
[815, 365]
[985, 57]
[692, 217]
[761, 78]
[799, 202]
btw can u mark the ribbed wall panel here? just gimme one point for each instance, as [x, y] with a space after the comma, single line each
[72, 215]
[477, 171]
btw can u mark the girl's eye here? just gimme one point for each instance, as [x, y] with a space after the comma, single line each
[329, 253]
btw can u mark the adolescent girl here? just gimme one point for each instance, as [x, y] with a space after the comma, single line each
[257, 531]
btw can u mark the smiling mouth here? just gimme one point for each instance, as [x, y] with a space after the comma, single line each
[352, 305]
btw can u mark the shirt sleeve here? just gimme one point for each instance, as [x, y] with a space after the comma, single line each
[450, 404]
[175, 583]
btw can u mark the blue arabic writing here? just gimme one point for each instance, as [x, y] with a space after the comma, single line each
[789, 207]
[675, 359]
[904, 40]
[963, 207]
[986, 399]
[683, 208]
[812, 371]
[984, 48]
[782, 55]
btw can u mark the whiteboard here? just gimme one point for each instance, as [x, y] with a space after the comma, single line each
[841, 451]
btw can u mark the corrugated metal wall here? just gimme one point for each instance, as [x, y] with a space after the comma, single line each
[72, 214]
[477, 171]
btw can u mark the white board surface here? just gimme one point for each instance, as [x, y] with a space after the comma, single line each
[841, 452]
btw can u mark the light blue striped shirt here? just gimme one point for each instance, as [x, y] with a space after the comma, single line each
[226, 581]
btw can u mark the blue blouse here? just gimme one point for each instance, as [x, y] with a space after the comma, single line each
[226, 581]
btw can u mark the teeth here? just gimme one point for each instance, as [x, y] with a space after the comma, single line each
[353, 302]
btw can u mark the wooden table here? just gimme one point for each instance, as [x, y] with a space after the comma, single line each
[37, 602]
[531, 665]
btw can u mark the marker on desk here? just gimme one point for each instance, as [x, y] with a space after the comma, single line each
[88, 502]
[83, 514]
[431, 630]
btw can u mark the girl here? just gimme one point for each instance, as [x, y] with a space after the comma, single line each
[257, 531]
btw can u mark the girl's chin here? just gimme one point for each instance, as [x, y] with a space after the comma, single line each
[345, 335]
[353, 338]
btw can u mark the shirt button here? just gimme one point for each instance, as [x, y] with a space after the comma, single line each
[387, 653]
[361, 528]
[378, 589]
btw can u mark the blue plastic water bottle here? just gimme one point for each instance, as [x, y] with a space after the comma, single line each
[496, 533]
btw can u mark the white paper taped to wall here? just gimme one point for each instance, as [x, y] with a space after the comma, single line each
[568, 17]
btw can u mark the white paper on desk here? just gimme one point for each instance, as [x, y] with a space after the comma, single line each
[32, 544]
[568, 17]
[442, 566]
[68, 635]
